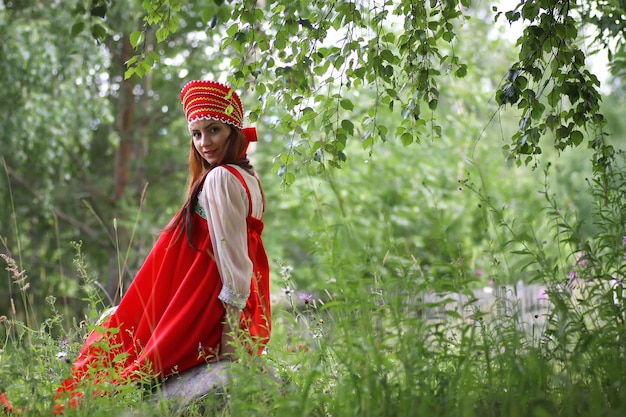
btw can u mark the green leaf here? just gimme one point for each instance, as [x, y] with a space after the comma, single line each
[388, 56]
[132, 60]
[99, 10]
[99, 32]
[562, 132]
[537, 110]
[346, 104]
[406, 138]
[368, 140]
[348, 126]
[576, 137]
[232, 30]
[172, 25]
[136, 38]
[308, 114]
[130, 72]
[162, 34]
[77, 28]
[289, 178]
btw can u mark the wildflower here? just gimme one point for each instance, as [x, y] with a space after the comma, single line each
[287, 291]
[581, 260]
[62, 356]
[303, 347]
[200, 350]
[479, 272]
[543, 295]
[624, 240]
[285, 272]
[573, 275]
[306, 298]
[19, 277]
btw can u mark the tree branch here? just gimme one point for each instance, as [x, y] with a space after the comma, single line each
[60, 214]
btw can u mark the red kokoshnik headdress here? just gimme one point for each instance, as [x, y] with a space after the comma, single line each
[204, 99]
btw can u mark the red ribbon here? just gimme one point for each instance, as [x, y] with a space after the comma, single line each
[250, 134]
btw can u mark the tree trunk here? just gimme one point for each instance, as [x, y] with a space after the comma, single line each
[124, 154]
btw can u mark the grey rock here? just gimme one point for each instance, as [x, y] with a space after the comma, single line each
[193, 385]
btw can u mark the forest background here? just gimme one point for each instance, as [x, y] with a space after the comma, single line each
[405, 147]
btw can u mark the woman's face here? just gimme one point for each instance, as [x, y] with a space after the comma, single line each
[210, 138]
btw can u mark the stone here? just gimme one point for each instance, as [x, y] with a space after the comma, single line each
[193, 385]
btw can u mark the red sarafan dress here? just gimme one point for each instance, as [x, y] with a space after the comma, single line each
[170, 319]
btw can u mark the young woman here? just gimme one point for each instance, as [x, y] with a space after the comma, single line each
[203, 292]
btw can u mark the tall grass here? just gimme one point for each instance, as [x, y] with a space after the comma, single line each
[365, 347]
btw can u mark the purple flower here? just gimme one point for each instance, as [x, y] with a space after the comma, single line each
[479, 272]
[62, 356]
[573, 275]
[306, 298]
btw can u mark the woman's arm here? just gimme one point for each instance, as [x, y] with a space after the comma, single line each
[229, 342]
[226, 204]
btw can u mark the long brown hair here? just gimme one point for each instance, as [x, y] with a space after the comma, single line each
[199, 168]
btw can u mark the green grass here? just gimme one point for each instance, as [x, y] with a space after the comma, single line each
[364, 347]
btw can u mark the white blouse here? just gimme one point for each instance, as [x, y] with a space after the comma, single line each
[225, 203]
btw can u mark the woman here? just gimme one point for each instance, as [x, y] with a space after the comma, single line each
[206, 281]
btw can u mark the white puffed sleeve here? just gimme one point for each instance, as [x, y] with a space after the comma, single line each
[226, 205]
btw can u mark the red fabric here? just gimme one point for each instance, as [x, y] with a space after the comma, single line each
[250, 134]
[7, 407]
[170, 318]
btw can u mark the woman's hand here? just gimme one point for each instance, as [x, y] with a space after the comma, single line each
[229, 342]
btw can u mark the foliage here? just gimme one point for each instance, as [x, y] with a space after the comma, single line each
[370, 349]
[320, 79]
[550, 73]
[79, 170]
[341, 93]
[46, 138]
[322, 50]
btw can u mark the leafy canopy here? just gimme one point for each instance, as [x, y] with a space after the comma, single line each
[305, 57]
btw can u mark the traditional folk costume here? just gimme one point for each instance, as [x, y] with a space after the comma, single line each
[171, 317]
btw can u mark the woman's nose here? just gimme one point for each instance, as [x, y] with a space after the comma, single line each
[205, 140]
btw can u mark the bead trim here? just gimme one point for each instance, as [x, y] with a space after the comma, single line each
[229, 296]
[198, 209]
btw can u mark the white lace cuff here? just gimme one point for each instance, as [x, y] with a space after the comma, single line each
[229, 296]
